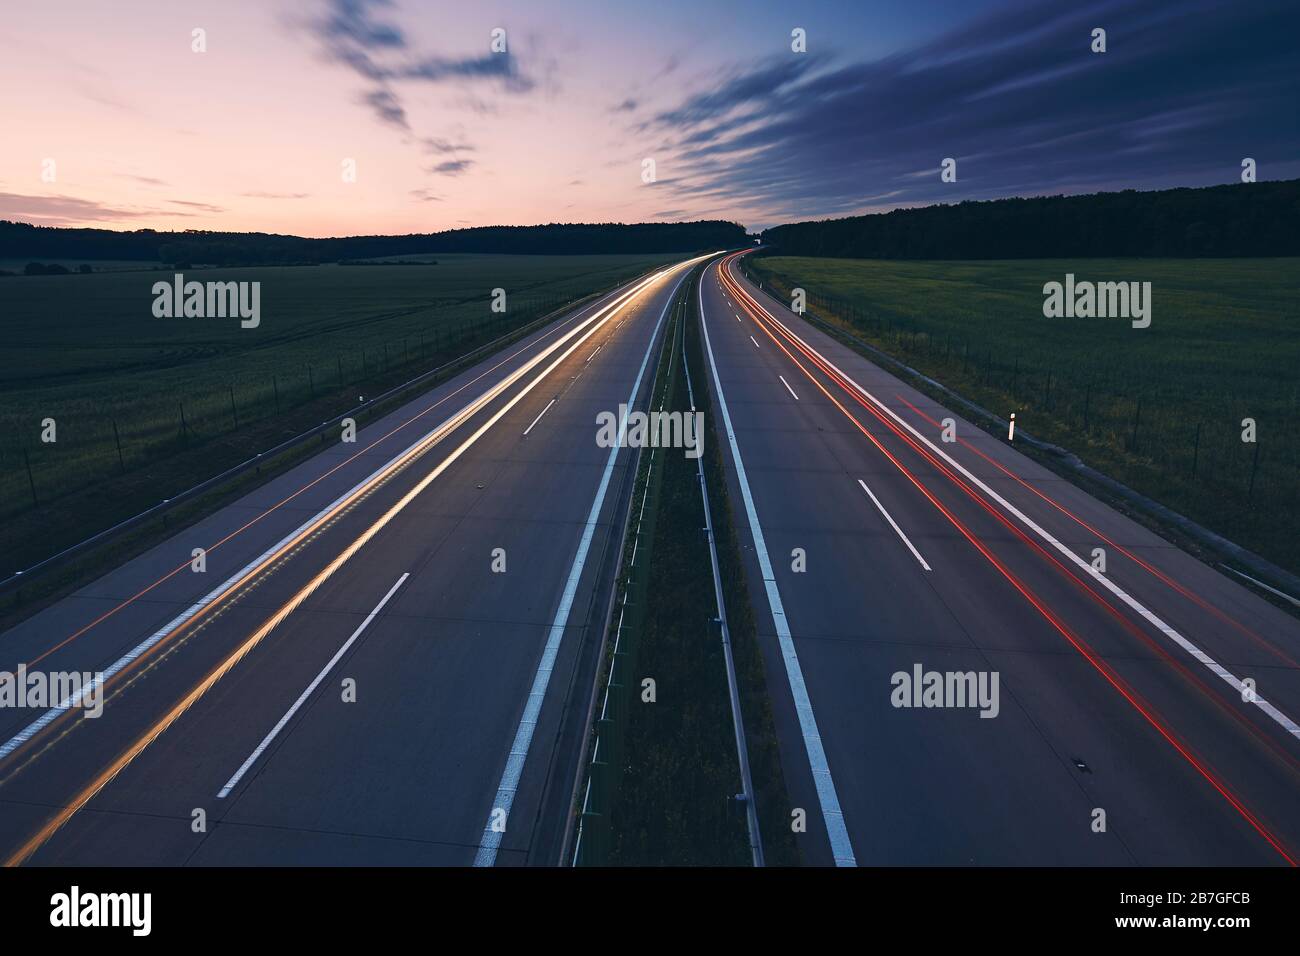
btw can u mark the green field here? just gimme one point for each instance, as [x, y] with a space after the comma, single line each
[192, 396]
[1159, 409]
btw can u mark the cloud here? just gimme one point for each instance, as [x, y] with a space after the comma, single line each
[265, 195]
[387, 107]
[627, 106]
[351, 34]
[146, 180]
[433, 144]
[201, 206]
[425, 195]
[70, 211]
[451, 167]
[1016, 97]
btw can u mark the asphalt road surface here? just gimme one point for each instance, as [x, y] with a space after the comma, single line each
[359, 676]
[1125, 730]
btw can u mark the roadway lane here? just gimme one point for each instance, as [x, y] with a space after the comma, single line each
[1101, 705]
[409, 772]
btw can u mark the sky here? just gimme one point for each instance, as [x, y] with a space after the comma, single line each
[112, 118]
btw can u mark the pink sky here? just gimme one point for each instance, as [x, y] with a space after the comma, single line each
[251, 134]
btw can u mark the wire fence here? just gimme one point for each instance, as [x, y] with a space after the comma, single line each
[89, 447]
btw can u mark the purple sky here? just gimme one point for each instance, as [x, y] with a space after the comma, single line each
[112, 119]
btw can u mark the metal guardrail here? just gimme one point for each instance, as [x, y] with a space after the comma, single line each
[747, 792]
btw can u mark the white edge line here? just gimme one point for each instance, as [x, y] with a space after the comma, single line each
[838, 833]
[894, 524]
[311, 688]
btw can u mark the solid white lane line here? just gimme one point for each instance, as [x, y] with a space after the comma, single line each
[894, 524]
[539, 416]
[841, 847]
[1280, 718]
[262, 561]
[593, 354]
[787, 387]
[754, 340]
[311, 688]
[523, 740]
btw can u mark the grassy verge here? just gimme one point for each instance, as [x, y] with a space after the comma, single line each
[1159, 409]
[666, 770]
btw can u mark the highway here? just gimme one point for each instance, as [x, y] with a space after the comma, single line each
[388, 657]
[1126, 732]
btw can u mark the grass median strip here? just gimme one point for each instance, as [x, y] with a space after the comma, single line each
[666, 772]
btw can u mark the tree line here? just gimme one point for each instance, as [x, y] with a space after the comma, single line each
[1247, 219]
[21, 240]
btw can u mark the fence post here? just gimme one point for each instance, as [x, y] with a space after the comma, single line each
[1196, 448]
[234, 413]
[1137, 418]
[1254, 466]
[30, 480]
[276, 386]
[311, 381]
[117, 439]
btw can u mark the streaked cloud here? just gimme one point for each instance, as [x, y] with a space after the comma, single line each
[1015, 96]
[71, 211]
[351, 33]
[452, 167]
